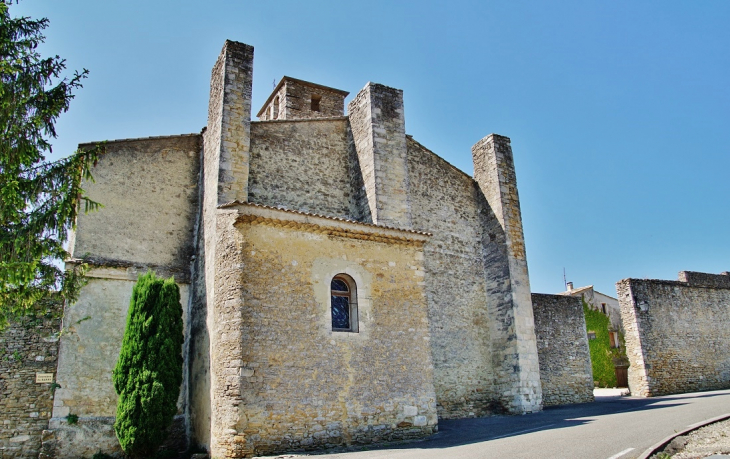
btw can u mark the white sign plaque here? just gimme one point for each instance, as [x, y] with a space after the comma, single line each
[44, 378]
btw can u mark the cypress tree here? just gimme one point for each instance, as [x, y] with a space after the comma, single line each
[148, 374]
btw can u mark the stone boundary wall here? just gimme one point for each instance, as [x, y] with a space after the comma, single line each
[676, 333]
[562, 347]
[27, 347]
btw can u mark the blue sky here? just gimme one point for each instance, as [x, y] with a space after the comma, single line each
[619, 112]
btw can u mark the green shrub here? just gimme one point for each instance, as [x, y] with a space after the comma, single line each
[602, 354]
[148, 374]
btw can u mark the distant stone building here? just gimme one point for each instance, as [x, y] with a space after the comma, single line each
[677, 333]
[343, 284]
[598, 301]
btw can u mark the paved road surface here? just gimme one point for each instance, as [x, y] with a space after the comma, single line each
[612, 427]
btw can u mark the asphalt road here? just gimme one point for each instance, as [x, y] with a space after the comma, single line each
[609, 428]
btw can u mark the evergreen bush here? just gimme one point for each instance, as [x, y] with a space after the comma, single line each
[148, 374]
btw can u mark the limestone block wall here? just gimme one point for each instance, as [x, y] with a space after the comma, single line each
[149, 190]
[299, 384]
[229, 123]
[292, 99]
[562, 347]
[226, 154]
[302, 165]
[27, 347]
[444, 203]
[676, 333]
[514, 348]
[377, 123]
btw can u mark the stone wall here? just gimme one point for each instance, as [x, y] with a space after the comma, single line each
[149, 190]
[444, 203]
[301, 165]
[677, 333]
[513, 343]
[292, 100]
[562, 347]
[27, 347]
[93, 329]
[302, 385]
[377, 122]
[226, 155]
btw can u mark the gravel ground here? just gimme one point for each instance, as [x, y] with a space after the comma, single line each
[707, 441]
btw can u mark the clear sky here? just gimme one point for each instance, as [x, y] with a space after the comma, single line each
[619, 112]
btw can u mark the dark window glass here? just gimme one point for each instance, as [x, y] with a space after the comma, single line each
[339, 285]
[344, 303]
[340, 312]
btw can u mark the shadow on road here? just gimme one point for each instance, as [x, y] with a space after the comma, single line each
[467, 431]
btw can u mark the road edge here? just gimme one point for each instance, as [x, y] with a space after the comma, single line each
[657, 446]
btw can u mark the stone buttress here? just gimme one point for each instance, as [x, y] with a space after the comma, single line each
[379, 134]
[508, 286]
[225, 179]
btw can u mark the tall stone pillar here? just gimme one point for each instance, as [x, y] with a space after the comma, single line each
[508, 285]
[379, 132]
[229, 122]
[226, 167]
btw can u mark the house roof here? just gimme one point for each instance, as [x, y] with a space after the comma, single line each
[581, 290]
[576, 290]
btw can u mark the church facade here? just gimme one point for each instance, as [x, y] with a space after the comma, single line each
[342, 283]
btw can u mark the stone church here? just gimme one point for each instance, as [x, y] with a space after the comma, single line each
[342, 283]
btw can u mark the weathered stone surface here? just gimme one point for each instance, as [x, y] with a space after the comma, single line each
[294, 99]
[301, 165]
[676, 333]
[25, 406]
[310, 386]
[445, 319]
[378, 127]
[444, 203]
[514, 349]
[149, 189]
[562, 346]
[93, 434]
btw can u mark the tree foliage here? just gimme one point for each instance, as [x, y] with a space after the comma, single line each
[148, 374]
[39, 200]
[602, 354]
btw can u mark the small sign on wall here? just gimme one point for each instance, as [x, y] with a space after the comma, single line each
[44, 378]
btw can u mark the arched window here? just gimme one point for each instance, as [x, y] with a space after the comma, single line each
[344, 303]
[276, 108]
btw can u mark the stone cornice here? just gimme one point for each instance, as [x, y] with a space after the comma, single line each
[331, 226]
[106, 268]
